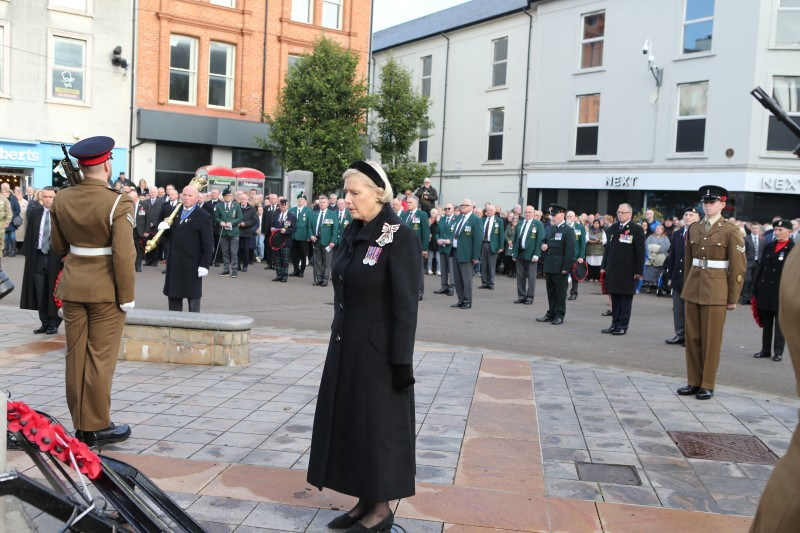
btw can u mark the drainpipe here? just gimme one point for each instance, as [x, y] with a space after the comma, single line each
[264, 65]
[444, 120]
[132, 63]
[523, 198]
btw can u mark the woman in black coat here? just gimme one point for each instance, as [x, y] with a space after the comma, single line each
[364, 431]
[766, 281]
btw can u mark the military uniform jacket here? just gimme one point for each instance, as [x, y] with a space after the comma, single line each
[497, 234]
[328, 226]
[303, 217]
[535, 234]
[674, 264]
[232, 214]
[6, 213]
[469, 238]
[560, 242]
[191, 245]
[580, 240]
[418, 222]
[624, 258]
[444, 231]
[91, 215]
[363, 439]
[714, 286]
[345, 219]
[767, 278]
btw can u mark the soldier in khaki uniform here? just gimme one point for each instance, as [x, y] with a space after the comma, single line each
[714, 269]
[779, 508]
[93, 224]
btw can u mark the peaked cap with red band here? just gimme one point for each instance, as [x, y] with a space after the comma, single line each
[92, 150]
[713, 193]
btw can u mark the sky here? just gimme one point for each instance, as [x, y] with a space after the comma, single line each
[389, 13]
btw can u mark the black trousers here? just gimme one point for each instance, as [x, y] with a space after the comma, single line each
[244, 252]
[44, 293]
[299, 256]
[557, 295]
[621, 306]
[138, 243]
[217, 252]
[176, 304]
[769, 321]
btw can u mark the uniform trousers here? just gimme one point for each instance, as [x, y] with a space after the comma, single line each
[94, 333]
[230, 252]
[488, 264]
[678, 313]
[322, 262]
[462, 279]
[704, 324]
[421, 288]
[573, 290]
[769, 321]
[176, 304]
[779, 508]
[621, 308]
[526, 279]
[299, 255]
[446, 267]
[556, 295]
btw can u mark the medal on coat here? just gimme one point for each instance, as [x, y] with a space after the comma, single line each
[387, 236]
[373, 253]
[780, 257]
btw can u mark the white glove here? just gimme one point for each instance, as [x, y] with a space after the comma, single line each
[128, 306]
[163, 225]
[202, 272]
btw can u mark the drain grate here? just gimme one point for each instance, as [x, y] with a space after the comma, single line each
[723, 447]
[605, 473]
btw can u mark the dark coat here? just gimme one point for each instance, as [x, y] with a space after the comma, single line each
[27, 300]
[249, 221]
[363, 441]
[140, 216]
[767, 278]
[152, 215]
[191, 245]
[624, 258]
[673, 266]
[560, 242]
[275, 224]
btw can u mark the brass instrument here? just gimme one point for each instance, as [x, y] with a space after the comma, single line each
[68, 170]
[200, 183]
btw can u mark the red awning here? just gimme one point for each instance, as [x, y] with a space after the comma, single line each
[213, 170]
[250, 173]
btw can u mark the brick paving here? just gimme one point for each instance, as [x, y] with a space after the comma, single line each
[498, 438]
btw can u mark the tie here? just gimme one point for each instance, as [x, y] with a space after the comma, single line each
[755, 246]
[45, 247]
[319, 221]
[460, 226]
[341, 217]
[486, 229]
[524, 233]
[184, 214]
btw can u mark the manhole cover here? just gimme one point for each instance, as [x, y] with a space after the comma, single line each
[605, 473]
[723, 447]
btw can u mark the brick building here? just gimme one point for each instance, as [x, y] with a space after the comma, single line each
[207, 71]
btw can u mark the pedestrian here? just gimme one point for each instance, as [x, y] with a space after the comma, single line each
[766, 284]
[674, 272]
[527, 246]
[427, 196]
[417, 220]
[363, 439]
[467, 238]
[259, 233]
[93, 223]
[211, 208]
[6, 216]
[227, 217]
[623, 266]
[753, 248]
[300, 238]
[325, 228]
[152, 214]
[281, 231]
[715, 267]
[559, 244]
[10, 243]
[657, 246]
[580, 251]
[139, 228]
[246, 230]
[494, 236]
[444, 238]
[344, 218]
[434, 257]
[191, 247]
[595, 248]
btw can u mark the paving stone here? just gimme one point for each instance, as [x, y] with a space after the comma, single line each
[280, 517]
[560, 470]
[435, 474]
[583, 490]
[643, 495]
[224, 510]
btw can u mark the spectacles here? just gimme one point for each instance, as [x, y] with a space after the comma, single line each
[446, 208]
[623, 212]
[466, 205]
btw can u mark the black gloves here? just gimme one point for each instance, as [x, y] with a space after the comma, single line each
[402, 377]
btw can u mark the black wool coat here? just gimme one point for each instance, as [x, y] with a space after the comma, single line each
[27, 298]
[364, 433]
[673, 266]
[624, 258]
[767, 278]
[191, 245]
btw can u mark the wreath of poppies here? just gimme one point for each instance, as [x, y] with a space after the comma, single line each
[51, 438]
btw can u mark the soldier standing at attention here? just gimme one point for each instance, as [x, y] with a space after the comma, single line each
[580, 249]
[93, 223]
[714, 271]
[560, 247]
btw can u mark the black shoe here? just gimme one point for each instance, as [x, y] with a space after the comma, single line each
[776, 357]
[607, 312]
[572, 297]
[110, 435]
[484, 286]
[51, 330]
[688, 390]
[284, 280]
[42, 329]
[450, 293]
[676, 340]
[442, 291]
[243, 269]
[459, 304]
[619, 331]
[138, 269]
[384, 525]
[325, 284]
[545, 318]
[234, 274]
[610, 329]
[528, 302]
[419, 297]
[519, 301]
[300, 275]
[277, 279]
[266, 268]
[345, 521]
[224, 273]
[704, 394]
[294, 275]
[215, 264]
[757, 355]
[557, 321]
[466, 306]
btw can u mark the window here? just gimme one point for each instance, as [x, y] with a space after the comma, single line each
[422, 148]
[4, 59]
[594, 28]
[69, 79]
[224, 3]
[81, 6]
[496, 119]
[427, 63]
[183, 69]
[221, 62]
[692, 103]
[588, 124]
[332, 14]
[293, 61]
[303, 11]
[499, 61]
[786, 91]
[698, 25]
[787, 31]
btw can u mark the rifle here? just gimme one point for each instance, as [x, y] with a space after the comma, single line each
[68, 170]
[778, 112]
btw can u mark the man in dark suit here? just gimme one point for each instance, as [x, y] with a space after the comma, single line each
[42, 265]
[190, 248]
[271, 207]
[673, 273]
[560, 247]
[139, 229]
[210, 206]
[152, 208]
[623, 265]
[753, 245]
[284, 223]
[167, 207]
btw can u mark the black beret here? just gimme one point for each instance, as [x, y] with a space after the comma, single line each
[555, 208]
[783, 224]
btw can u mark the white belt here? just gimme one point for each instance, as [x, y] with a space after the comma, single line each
[82, 250]
[706, 263]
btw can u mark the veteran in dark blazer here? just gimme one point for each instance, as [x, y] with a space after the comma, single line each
[466, 249]
[673, 273]
[363, 439]
[580, 250]
[280, 233]
[444, 238]
[493, 236]
[712, 283]
[623, 265]
[559, 243]
[417, 220]
[527, 246]
[191, 247]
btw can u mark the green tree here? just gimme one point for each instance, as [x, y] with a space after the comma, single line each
[319, 124]
[402, 114]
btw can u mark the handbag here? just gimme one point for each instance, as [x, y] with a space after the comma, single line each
[16, 221]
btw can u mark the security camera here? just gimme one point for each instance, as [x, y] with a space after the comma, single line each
[646, 47]
[116, 58]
